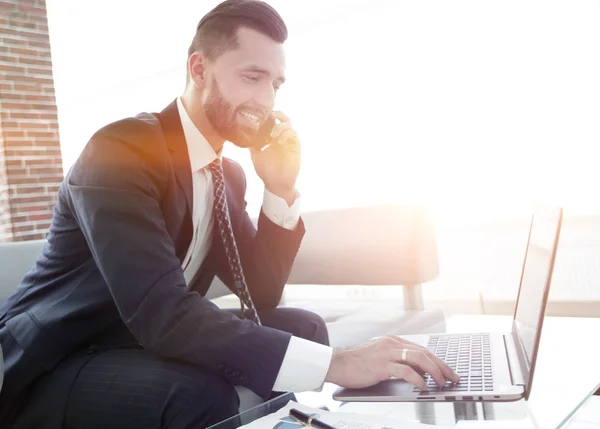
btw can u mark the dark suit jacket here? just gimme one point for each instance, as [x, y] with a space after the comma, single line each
[110, 273]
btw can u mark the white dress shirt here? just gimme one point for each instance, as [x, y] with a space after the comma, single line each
[305, 363]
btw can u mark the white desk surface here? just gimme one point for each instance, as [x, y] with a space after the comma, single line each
[567, 369]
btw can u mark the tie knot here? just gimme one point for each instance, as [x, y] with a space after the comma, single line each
[215, 167]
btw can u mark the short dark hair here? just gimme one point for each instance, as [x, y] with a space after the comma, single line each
[217, 30]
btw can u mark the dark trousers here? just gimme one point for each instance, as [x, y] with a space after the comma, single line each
[131, 388]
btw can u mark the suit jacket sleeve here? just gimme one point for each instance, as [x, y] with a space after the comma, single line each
[115, 191]
[267, 254]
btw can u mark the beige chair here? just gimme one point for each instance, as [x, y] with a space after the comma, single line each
[392, 245]
[378, 245]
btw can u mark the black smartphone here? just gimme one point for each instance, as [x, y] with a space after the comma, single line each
[264, 133]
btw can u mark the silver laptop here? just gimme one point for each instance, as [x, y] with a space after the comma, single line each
[492, 366]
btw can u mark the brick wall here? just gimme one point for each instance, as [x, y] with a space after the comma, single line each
[30, 158]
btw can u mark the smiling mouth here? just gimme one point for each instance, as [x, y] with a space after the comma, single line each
[250, 118]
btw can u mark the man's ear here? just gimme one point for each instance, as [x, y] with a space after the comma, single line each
[197, 69]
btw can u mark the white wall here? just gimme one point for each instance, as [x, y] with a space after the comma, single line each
[473, 107]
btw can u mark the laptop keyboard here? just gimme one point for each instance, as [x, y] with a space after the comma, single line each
[469, 356]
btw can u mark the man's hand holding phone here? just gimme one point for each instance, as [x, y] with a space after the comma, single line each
[276, 156]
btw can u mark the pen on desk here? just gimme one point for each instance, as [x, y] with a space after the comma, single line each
[307, 420]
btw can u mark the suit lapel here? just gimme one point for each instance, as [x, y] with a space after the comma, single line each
[171, 124]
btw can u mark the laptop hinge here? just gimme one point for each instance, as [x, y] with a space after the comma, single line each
[512, 357]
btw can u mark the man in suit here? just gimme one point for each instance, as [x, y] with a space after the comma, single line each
[110, 328]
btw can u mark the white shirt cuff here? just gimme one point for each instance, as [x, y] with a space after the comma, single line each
[278, 211]
[304, 366]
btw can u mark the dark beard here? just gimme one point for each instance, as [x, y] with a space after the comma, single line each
[222, 117]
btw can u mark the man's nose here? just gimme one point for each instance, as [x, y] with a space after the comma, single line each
[265, 98]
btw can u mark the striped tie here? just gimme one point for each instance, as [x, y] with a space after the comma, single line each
[231, 251]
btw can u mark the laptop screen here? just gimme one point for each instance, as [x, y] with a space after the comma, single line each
[535, 282]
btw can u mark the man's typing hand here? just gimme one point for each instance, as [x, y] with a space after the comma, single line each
[381, 359]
